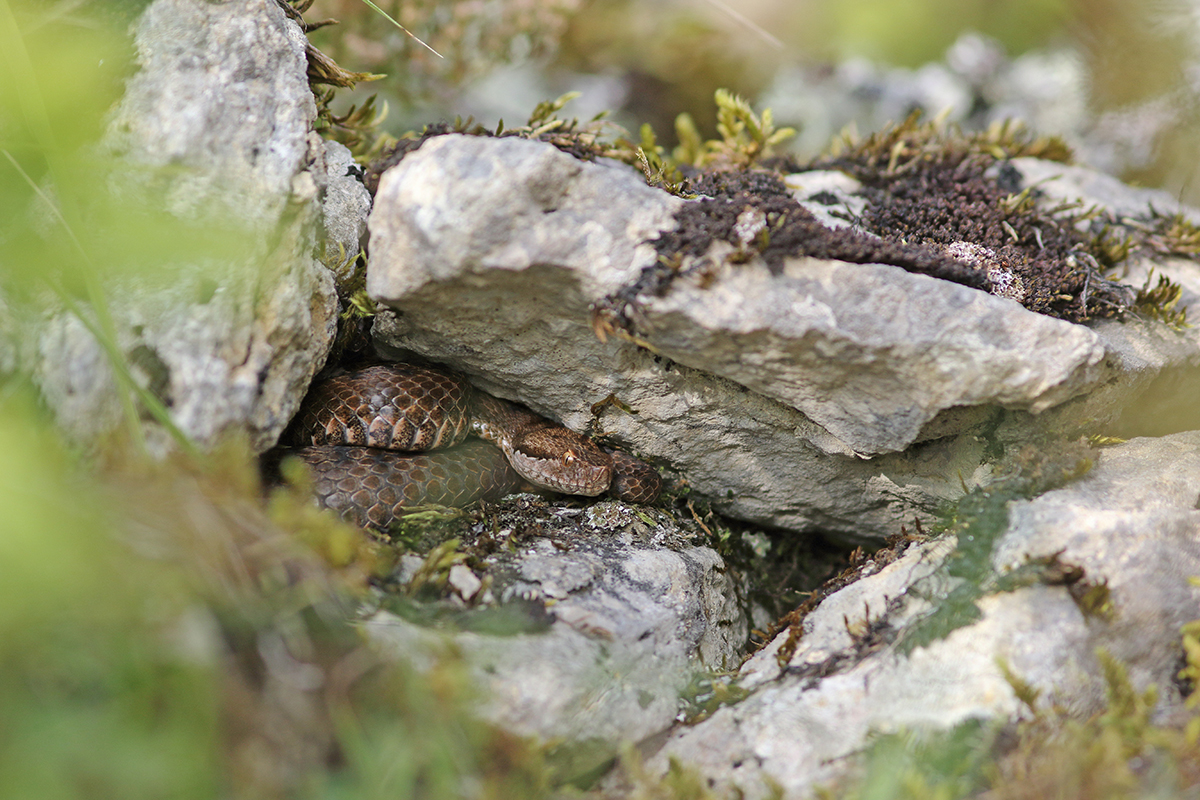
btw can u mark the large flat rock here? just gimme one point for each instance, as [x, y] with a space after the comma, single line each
[819, 396]
[1132, 522]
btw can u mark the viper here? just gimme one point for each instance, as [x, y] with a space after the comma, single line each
[389, 436]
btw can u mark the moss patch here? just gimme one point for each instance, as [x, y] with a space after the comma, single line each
[583, 140]
[938, 203]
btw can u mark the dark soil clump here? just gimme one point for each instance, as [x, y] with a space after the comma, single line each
[954, 199]
[791, 230]
[945, 207]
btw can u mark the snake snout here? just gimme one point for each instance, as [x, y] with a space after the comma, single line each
[577, 466]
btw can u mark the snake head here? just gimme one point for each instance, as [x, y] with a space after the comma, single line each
[561, 460]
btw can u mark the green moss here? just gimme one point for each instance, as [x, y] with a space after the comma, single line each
[708, 692]
[977, 522]
[661, 172]
[509, 619]
[745, 136]
[1172, 235]
[899, 147]
[358, 128]
[1158, 300]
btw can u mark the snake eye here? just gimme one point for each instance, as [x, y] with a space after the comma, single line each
[569, 456]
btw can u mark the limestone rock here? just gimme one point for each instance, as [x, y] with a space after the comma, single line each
[215, 130]
[345, 204]
[222, 95]
[1132, 521]
[623, 608]
[870, 353]
[824, 396]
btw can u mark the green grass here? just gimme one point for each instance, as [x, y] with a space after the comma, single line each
[149, 610]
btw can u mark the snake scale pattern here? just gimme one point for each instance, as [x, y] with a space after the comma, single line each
[390, 436]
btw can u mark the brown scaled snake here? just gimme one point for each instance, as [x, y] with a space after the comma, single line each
[390, 436]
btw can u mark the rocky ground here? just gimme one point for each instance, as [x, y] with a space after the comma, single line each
[934, 354]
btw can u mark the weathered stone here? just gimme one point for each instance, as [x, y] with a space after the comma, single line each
[870, 353]
[215, 129]
[1154, 368]
[222, 98]
[764, 389]
[1132, 522]
[345, 204]
[1068, 182]
[632, 609]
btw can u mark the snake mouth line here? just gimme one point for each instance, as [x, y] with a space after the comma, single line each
[568, 475]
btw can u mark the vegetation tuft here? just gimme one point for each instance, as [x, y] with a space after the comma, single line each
[1159, 300]
[926, 184]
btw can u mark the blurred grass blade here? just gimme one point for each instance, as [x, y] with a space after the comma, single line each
[401, 27]
[104, 332]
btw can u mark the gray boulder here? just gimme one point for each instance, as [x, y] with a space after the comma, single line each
[1131, 522]
[822, 396]
[623, 608]
[215, 131]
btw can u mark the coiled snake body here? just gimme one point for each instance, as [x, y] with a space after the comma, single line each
[364, 435]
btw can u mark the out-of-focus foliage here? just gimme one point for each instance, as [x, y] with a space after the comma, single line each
[473, 38]
[671, 56]
[1142, 59]
[66, 243]
[100, 693]
[1159, 300]
[164, 631]
[910, 34]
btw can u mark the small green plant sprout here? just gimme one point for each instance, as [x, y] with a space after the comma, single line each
[1100, 440]
[745, 136]
[1159, 301]
[660, 172]
[1022, 203]
[544, 118]
[434, 571]
[1024, 691]
[1169, 235]
[360, 306]
[691, 144]
[358, 128]
[1111, 245]
[583, 140]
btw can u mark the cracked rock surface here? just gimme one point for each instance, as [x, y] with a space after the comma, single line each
[820, 396]
[620, 610]
[1131, 523]
[215, 130]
